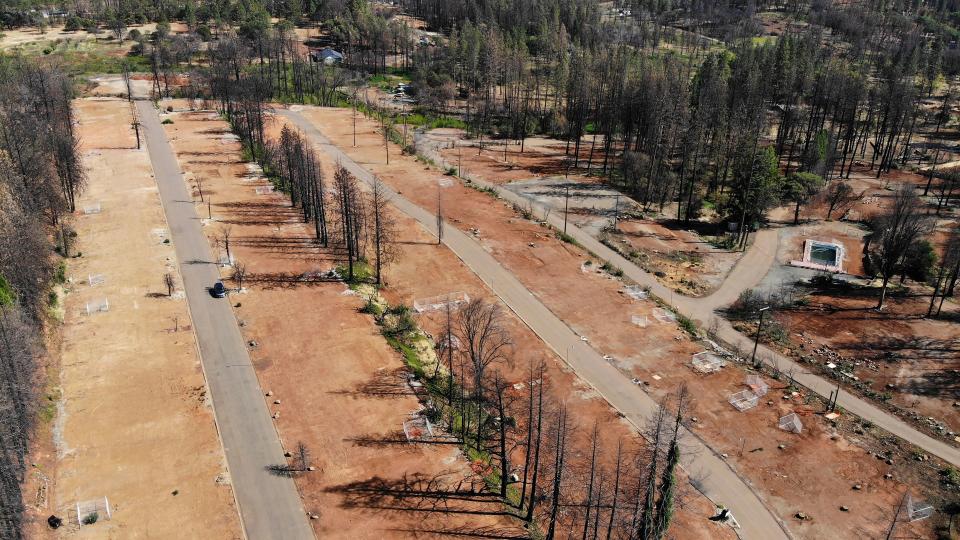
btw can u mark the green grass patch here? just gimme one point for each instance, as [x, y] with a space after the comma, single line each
[564, 237]
[612, 270]
[687, 324]
[362, 273]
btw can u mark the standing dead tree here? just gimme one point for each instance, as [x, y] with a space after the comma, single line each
[299, 173]
[534, 439]
[894, 233]
[559, 440]
[169, 282]
[840, 197]
[383, 226]
[40, 177]
[225, 235]
[485, 341]
[349, 216]
[239, 272]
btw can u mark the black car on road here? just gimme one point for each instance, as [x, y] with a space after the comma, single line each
[218, 290]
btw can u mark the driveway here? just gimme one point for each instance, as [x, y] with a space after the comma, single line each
[711, 474]
[269, 505]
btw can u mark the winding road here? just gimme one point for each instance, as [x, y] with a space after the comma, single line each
[710, 473]
[269, 504]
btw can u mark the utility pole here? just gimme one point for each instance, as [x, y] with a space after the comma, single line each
[756, 342]
[566, 207]
[460, 162]
[616, 211]
[136, 123]
[439, 215]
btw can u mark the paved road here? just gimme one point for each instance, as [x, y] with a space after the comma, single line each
[270, 506]
[748, 272]
[714, 477]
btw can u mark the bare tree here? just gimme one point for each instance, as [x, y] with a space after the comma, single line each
[506, 425]
[840, 197]
[384, 233]
[895, 232]
[349, 216]
[225, 234]
[534, 430]
[169, 282]
[588, 502]
[560, 433]
[239, 272]
[302, 459]
[485, 341]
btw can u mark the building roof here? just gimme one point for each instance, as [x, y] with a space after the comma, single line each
[326, 53]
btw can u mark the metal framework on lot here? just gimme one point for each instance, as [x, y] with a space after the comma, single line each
[636, 292]
[791, 423]
[93, 511]
[98, 306]
[664, 316]
[417, 429]
[744, 400]
[95, 279]
[707, 362]
[917, 510]
[263, 190]
[434, 303]
[93, 208]
[640, 320]
[757, 385]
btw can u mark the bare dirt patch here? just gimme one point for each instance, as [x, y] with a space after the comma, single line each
[135, 423]
[652, 351]
[349, 412]
[680, 257]
[342, 390]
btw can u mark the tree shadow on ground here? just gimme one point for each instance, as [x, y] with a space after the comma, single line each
[288, 280]
[447, 492]
[285, 244]
[398, 437]
[387, 383]
[464, 531]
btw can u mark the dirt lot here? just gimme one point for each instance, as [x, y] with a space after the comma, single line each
[341, 387]
[134, 423]
[600, 311]
[898, 357]
[354, 372]
[681, 258]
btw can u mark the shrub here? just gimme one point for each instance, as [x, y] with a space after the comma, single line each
[204, 32]
[687, 324]
[74, 24]
[568, 239]
[91, 518]
[134, 34]
[950, 476]
[61, 275]
[167, 121]
[611, 269]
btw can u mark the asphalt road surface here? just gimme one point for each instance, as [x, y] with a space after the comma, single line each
[710, 473]
[270, 506]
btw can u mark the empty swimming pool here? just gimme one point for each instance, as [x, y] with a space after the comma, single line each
[825, 254]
